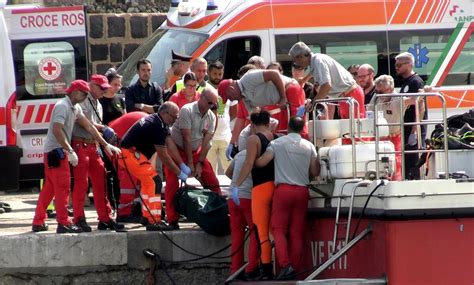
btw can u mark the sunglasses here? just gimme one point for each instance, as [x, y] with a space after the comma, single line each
[400, 64]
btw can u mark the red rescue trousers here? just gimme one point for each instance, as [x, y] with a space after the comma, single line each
[140, 167]
[261, 210]
[57, 184]
[128, 183]
[359, 96]
[290, 204]
[397, 142]
[90, 166]
[208, 178]
[241, 217]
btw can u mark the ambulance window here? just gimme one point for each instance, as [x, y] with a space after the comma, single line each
[426, 49]
[216, 53]
[49, 67]
[353, 52]
[234, 53]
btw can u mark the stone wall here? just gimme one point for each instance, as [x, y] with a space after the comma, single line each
[113, 37]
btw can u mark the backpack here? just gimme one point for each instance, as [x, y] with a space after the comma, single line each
[460, 132]
[207, 209]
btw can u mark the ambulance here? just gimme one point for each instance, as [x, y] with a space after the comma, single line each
[437, 33]
[43, 50]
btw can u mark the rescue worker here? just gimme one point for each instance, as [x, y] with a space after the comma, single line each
[331, 77]
[257, 88]
[192, 134]
[126, 209]
[263, 187]
[59, 154]
[91, 165]
[295, 161]
[240, 212]
[143, 139]
[384, 84]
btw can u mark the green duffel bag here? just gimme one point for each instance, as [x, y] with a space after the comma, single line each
[207, 209]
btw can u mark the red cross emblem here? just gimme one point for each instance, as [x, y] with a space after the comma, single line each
[49, 68]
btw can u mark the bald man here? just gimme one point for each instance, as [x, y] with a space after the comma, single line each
[192, 134]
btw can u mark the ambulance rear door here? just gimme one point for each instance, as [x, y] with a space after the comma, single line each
[49, 51]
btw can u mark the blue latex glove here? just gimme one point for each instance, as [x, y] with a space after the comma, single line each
[228, 151]
[183, 176]
[184, 168]
[300, 111]
[234, 194]
[109, 134]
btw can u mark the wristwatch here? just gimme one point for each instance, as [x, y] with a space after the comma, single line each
[70, 151]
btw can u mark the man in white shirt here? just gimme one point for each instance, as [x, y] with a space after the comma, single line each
[295, 162]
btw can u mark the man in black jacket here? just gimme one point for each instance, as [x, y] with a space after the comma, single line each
[143, 95]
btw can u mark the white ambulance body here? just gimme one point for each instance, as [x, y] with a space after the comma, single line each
[437, 33]
[45, 49]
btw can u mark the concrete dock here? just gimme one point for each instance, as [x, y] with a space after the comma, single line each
[103, 257]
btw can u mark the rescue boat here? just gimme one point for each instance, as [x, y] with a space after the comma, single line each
[363, 228]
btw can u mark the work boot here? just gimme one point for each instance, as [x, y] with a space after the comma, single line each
[112, 225]
[287, 273]
[71, 228]
[267, 271]
[253, 275]
[174, 226]
[39, 228]
[82, 224]
[129, 219]
[6, 207]
[144, 221]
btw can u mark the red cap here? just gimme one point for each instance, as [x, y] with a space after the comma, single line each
[222, 89]
[80, 85]
[100, 80]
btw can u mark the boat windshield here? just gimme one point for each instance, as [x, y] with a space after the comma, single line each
[157, 49]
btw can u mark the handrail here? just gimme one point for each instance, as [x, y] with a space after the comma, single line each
[338, 209]
[351, 206]
[402, 124]
[338, 254]
[351, 102]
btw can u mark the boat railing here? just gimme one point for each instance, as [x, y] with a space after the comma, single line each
[418, 123]
[351, 102]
